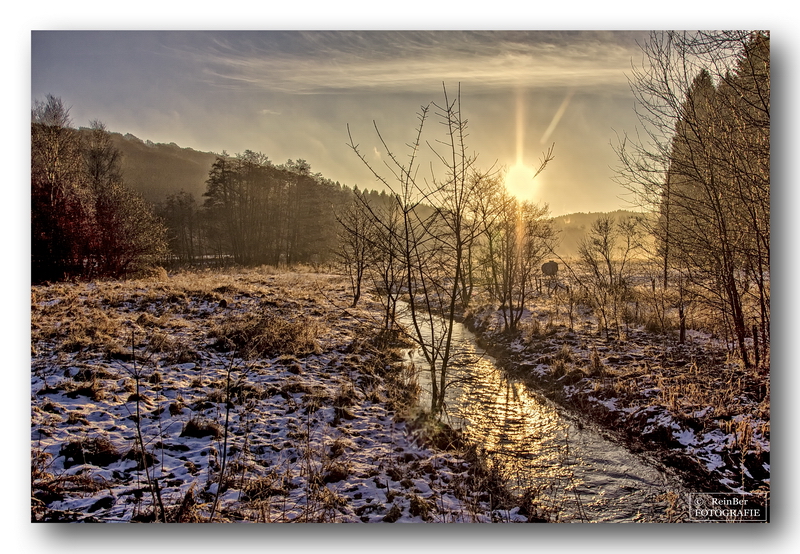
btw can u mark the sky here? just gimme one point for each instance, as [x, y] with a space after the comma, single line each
[293, 95]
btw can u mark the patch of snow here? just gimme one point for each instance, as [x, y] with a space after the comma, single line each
[685, 437]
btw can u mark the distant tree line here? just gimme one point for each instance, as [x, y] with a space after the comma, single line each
[85, 223]
[256, 212]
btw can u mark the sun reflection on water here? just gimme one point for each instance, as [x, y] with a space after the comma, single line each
[576, 471]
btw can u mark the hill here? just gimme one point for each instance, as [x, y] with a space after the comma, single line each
[158, 170]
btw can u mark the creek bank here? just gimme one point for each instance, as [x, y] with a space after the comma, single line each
[638, 391]
[545, 451]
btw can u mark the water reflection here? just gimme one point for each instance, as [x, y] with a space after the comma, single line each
[578, 473]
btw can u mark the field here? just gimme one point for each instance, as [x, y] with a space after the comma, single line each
[252, 396]
[261, 396]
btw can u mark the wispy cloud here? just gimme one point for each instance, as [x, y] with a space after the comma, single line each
[323, 62]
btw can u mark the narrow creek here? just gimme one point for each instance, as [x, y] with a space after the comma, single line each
[580, 475]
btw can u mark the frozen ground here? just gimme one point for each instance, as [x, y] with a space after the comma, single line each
[317, 421]
[313, 432]
[692, 405]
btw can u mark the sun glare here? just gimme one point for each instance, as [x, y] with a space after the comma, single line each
[519, 182]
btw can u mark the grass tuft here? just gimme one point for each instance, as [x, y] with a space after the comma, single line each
[267, 336]
[199, 427]
[97, 451]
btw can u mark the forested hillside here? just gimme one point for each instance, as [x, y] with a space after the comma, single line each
[175, 179]
[157, 170]
[248, 210]
[168, 175]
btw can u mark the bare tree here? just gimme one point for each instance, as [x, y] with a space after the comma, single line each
[181, 215]
[355, 243]
[605, 255]
[85, 222]
[60, 207]
[702, 165]
[126, 233]
[433, 234]
[518, 242]
[386, 267]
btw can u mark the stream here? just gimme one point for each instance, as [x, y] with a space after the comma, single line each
[579, 474]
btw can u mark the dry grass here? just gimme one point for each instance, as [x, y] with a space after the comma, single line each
[199, 427]
[596, 366]
[97, 451]
[162, 320]
[267, 335]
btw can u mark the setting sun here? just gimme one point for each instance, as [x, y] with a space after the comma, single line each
[520, 182]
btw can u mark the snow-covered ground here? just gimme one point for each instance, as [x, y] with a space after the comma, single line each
[692, 404]
[307, 430]
[317, 420]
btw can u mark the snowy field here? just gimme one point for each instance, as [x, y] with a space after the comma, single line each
[307, 428]
[261, 396]
[691, 405]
